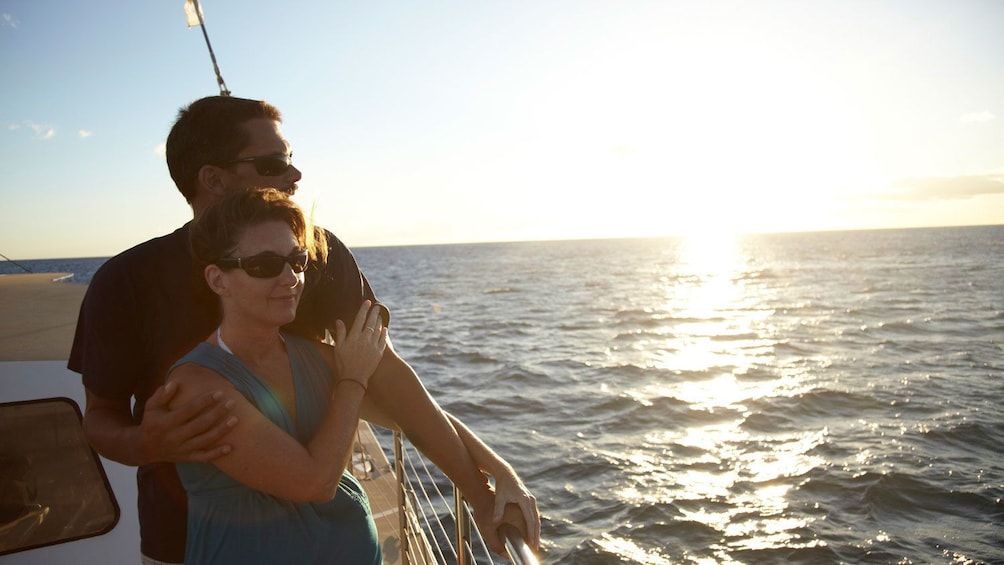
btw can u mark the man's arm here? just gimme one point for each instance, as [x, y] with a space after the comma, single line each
[509, 489]
[191, 432]
[396, 390]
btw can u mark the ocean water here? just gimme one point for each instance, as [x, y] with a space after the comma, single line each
[797, 398]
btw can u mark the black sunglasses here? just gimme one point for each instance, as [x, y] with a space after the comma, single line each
[267, 165]
[265, 265]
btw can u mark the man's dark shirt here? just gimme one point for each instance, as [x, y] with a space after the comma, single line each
[148, 306]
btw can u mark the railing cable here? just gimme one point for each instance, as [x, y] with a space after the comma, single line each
[417, 490]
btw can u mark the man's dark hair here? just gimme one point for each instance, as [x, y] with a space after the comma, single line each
[210, 131]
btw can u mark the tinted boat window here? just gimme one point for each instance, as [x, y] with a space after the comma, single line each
[53, 488]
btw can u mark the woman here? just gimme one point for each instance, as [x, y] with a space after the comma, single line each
[281, 494]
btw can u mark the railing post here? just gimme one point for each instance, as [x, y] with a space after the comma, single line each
[401, 506]
[463, 526]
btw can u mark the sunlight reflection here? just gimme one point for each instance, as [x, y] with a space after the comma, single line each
[723, 391]
[717, 314]
[749, 487]
[755, 518]
[630, 551]
[715, 340]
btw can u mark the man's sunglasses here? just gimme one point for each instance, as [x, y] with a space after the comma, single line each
[266, 265]
[267, 165]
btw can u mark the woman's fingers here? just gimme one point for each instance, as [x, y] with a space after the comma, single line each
[374, 323]
[361, 317]
[360, 349]
[339, 331]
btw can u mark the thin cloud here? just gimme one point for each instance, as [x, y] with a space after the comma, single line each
[947, 188]
[42, 132]
[84, 134]
[7, 20]
[977, 117]
[160, 150]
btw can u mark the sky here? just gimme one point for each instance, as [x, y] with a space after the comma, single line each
[447, 121]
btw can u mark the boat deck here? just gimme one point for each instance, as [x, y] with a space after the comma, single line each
[37, 316]
[37, 320]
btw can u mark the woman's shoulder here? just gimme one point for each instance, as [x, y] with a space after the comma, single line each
[196, 368]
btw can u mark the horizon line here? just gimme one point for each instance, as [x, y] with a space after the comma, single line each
[591, 238]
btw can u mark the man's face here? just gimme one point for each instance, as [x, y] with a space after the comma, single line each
[265, 139]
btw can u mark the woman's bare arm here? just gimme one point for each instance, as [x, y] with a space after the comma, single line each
[266, 458]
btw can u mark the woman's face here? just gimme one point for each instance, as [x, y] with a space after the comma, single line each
[270, 301]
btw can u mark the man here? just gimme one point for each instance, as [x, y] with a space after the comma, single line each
[148, 306]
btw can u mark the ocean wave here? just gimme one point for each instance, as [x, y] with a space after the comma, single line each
[817, 404]
[969, 437]
[636, 335]
[451, 354]
[763, 273]
[786, 347]
[501, 290]
[799, 551]
[908, 327]
[907, 503]
[768, 423]
[900, 513]
[739, 336]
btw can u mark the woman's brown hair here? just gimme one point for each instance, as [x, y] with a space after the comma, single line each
[214, 234]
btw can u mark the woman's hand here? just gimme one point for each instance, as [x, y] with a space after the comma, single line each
[358, 350]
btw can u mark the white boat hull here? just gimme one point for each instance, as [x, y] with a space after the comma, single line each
[33, 380]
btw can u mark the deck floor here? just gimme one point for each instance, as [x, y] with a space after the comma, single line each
[378, 478]
[37, 316]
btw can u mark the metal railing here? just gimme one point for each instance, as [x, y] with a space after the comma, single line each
[519, 552]
[436, 528]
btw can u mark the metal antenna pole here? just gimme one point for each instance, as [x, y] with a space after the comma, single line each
[15, 262]
[219, 76]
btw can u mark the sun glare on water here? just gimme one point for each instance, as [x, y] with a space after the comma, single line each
[719, 335]
[715, 320]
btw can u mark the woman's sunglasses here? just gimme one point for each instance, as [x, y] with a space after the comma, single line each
[267, 165]
[265, 265]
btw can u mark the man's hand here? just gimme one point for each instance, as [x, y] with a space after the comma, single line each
[511, 494]
[488, 525]
[509, 489]
[513, 523]
[484, 519]
[190, 432]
